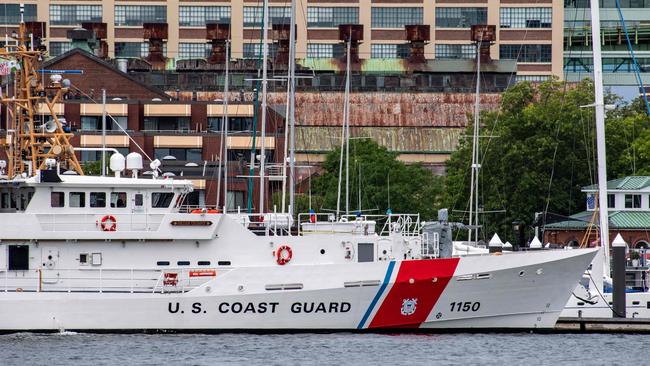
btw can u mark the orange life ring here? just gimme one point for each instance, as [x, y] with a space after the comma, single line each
[283, 255]
[109, 223]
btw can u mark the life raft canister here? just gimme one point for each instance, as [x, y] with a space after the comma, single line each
[108, 223]
[203, 210]
[284, 255]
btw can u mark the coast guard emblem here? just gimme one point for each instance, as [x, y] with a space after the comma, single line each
[408, 306]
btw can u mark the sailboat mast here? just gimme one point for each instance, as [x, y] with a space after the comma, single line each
[347, 128]
[265, 56]
[473, 194]
[600, 132]
[344, 135]
[224, 119]
[292, 109]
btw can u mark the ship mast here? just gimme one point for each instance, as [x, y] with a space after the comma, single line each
[30, 142]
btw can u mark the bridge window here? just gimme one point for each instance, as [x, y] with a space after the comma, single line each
[97, 199]
[118, 199]
[77, 199]
[57, 199]
[161, 199]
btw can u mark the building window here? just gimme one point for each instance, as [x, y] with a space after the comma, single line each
[526, 52]
[383, 50]
[180, 124]
[236, 199]
[611, 201]
[199, 16]
[94, 123]
[59, 48]
[254, 50]
[331, 17]
[277, 15]
[325, 50]
[88, 156]
[235, 124]
[532, 78]
[74, 14]
[608, 3]
[460, 17]
[455, 51]
[10, 13]
[244, 155]
[179, 153]
[395, 17]
[131, 49]
[526, 17]
[136, 15]
[632, 201]
[193, 50]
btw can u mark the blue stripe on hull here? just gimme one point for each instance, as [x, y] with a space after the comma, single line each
[382, 288]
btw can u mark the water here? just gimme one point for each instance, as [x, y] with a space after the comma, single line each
[323, 349]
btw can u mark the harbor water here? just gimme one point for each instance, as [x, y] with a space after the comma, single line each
[71, 348]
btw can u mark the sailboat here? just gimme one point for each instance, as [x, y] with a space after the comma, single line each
[122, 253]
[590, 298]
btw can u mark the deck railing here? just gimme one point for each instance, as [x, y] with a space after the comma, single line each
[102, 280]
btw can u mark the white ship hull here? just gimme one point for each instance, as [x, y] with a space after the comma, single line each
[527, 290]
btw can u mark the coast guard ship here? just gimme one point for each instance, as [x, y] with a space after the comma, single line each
[123, 253]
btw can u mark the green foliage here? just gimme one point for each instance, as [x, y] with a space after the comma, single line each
[413, 189]
[541, 152]
[93, 167]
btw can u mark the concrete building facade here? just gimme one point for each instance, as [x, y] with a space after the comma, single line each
[529, 31]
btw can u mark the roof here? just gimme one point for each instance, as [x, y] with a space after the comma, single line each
[108, 181]
[53, 61]
[617, 220]
[623, 184]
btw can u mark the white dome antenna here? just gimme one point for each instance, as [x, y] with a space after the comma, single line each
[117, 163]
[134, 163]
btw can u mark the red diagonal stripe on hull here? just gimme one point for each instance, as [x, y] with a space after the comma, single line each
[424, 289]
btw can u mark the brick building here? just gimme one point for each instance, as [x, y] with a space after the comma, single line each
[185, 135]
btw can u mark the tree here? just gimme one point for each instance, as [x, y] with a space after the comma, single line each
[538, 154]
[413, 189]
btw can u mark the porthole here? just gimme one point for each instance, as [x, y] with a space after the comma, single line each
[522, 273]
[322, 251]
[162, 263]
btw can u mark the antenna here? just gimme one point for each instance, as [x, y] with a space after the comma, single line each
[30, 146]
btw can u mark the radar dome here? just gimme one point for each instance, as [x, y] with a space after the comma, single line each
[117, 162]
[134, 161]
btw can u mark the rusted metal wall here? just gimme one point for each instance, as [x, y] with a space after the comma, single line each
[372, 109]
[400, 139]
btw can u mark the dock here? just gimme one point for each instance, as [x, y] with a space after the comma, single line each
[603, 325]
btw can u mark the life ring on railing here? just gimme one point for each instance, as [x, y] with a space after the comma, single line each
[203, 210]
[108, 223]
[283, 255]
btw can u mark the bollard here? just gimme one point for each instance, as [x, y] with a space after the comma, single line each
[618, 277]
